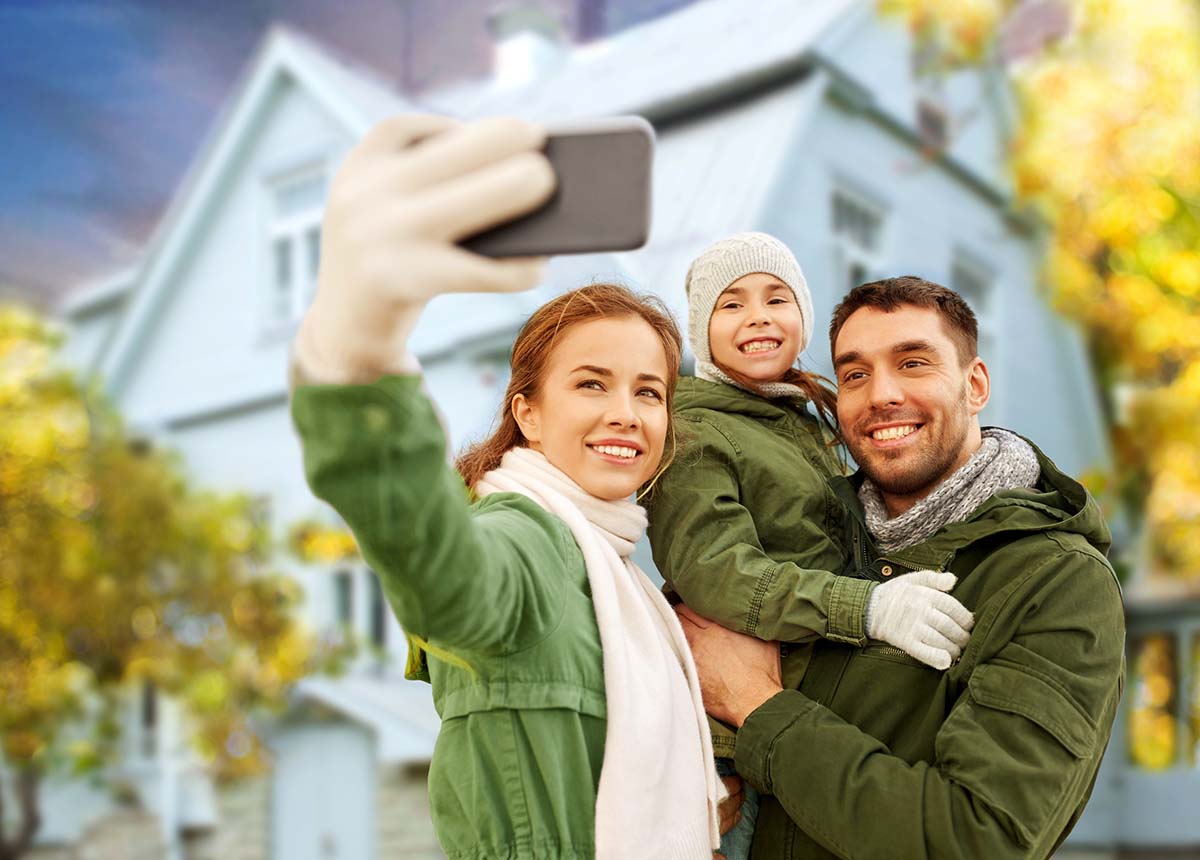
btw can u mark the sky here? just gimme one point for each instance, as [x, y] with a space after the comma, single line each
[104, 104]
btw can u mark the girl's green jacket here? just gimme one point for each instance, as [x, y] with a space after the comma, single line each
[498, 587]
[744, 525]
[746, 529]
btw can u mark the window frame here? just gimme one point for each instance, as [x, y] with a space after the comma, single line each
[848, 252]
[295, 231]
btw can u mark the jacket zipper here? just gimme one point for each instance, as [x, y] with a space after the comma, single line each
[860, 553]
[890, 650]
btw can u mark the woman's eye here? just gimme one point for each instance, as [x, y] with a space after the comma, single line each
[591, 383]
[653, 393]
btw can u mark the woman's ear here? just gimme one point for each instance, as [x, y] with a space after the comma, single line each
[528, 418]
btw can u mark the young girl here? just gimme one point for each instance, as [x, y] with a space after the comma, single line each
[572, 721]
[743, 525]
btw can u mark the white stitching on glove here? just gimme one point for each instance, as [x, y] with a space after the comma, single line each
[413, 187]
[914, 613]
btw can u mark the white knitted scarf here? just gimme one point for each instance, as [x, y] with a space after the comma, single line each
[658, 789]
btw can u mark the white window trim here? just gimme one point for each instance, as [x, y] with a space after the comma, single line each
[989, 316]
[847, 252]
[294, 229]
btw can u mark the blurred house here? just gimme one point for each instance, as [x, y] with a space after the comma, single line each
[804, 119]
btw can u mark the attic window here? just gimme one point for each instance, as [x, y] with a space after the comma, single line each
[858, 238]
[975, 282]
[932, 124]
[293, 243]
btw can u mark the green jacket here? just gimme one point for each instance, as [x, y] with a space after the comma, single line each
[744, 525]
[746, 529]
[498, 587]
[877, 755]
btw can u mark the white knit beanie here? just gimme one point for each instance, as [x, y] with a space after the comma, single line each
[722, 263]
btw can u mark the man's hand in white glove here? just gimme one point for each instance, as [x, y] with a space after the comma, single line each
[413, 187]
[914, 613]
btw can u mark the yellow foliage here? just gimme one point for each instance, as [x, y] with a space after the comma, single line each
[116, 573]
[1107, 150]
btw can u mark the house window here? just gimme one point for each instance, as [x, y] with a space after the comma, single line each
[1152, 724]
[148, 720]
[932, 123]
[858, 239]
[1194, 704]
[343, 598]
[974, 281]
[294, 243]
[378, 617]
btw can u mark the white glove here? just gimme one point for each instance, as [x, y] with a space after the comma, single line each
[914, 613]
[404, 195]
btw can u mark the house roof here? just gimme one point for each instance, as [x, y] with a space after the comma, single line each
[400, 712]
[666, 65]
[350, 96]
[651, 69]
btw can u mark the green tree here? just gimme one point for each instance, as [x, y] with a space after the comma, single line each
[115, 573]
[1107, 152]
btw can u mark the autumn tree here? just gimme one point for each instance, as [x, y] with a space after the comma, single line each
[1107, 152]
[115, 573]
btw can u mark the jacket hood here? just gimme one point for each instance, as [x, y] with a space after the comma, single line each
[691, 392]
[1057, 502]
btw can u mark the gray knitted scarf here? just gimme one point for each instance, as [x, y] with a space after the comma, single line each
[1004, 461]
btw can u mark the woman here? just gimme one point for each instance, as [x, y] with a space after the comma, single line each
[572, 722]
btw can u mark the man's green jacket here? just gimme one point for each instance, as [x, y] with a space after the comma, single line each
[878, 756]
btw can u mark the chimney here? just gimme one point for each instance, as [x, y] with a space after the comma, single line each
[528, 43]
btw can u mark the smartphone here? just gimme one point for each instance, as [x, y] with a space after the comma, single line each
[602, 202]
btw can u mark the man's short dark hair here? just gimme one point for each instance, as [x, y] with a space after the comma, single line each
[890, 293]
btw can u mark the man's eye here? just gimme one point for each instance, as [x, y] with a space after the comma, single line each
[853, 376]
[913, 362]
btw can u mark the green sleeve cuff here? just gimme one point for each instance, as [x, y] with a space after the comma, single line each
[763, 728]
[848, 610]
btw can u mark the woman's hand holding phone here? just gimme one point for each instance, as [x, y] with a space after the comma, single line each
[398, 205]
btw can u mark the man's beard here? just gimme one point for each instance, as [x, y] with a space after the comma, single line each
[912, 472]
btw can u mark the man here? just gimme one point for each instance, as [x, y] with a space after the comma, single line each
[876, 755]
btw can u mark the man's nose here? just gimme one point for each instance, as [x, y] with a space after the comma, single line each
[886, 390]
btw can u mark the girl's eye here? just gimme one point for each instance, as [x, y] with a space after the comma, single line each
[778, 300]
[730, 306]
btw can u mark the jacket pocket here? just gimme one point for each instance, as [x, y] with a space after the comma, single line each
[1019, 745]
[1016, 691]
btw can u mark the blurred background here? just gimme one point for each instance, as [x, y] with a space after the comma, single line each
[194, 662]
